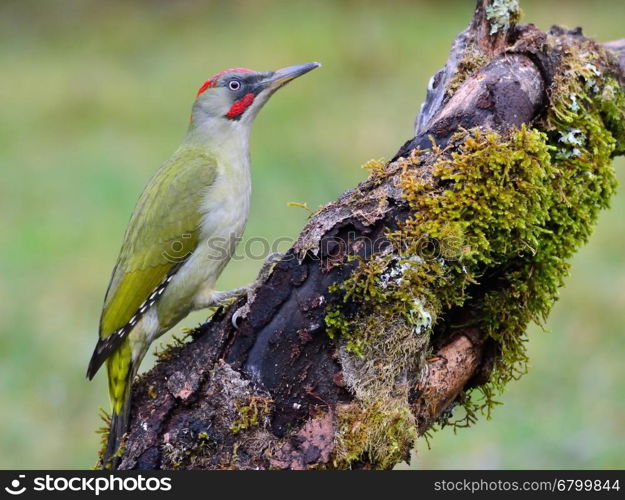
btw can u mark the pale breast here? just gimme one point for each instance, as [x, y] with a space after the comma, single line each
[225, 208]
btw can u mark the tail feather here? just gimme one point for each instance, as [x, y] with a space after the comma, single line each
[121, 370]
[103, 349]
[119, 423]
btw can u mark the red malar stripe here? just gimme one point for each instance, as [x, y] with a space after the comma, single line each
[240, 106]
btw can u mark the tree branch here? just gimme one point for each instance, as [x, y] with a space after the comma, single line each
[279, 392]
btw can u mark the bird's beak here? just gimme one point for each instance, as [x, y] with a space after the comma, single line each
[281, 77]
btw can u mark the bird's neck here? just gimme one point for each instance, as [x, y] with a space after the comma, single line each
[227, 141]
[219, 135]
[226, 204]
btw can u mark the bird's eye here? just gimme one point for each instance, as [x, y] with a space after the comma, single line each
[234, 85]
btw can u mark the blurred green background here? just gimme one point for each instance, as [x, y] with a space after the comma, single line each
[94, 95]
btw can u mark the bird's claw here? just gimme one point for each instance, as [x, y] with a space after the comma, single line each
[241, 312]
[236, 316]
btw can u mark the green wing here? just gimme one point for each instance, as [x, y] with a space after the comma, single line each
[163, 231]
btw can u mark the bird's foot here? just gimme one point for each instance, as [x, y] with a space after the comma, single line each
[224, 298]
[264, 273]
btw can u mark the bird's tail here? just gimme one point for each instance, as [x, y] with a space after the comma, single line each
[120, 371]
[111, 457]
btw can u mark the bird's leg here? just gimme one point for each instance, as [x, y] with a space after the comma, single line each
[265, 270]
[221, 298]
[216, 298]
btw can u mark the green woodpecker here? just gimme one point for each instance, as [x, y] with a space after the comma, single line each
[183, 231]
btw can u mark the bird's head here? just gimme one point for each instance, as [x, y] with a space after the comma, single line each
[235, 96]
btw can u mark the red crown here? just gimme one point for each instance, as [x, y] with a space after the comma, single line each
[212, 81]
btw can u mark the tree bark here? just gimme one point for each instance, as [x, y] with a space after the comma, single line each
[270, 394]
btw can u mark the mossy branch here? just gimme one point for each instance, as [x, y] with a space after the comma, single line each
[411, 294]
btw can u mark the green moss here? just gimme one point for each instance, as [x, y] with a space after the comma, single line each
[588, 107]
[165, 352]
[472, 61]
[151, 392]
[187, 455]
[495, 219]
[252, 414]
[376, 169]
[104, 436]
[375, 435]
[472, 404]
[496, 194]
[383, 345]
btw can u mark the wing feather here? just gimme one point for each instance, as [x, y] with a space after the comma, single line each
[163, 231]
